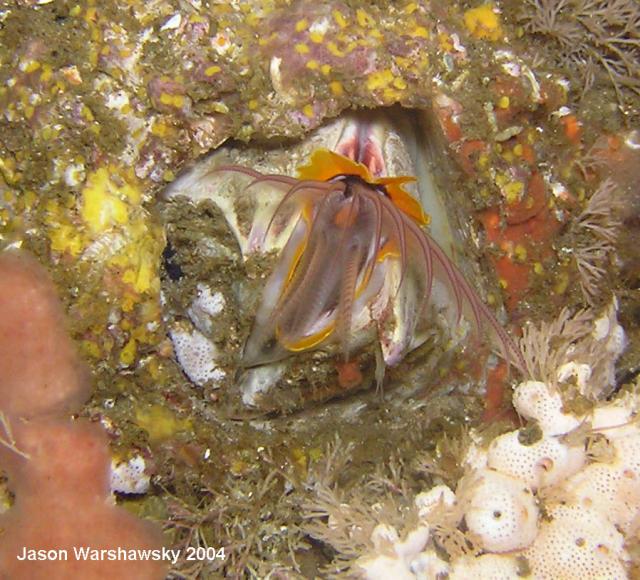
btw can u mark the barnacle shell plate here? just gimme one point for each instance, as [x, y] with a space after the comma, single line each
[219, 254]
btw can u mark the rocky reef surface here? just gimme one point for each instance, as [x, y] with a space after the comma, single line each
[529, 112]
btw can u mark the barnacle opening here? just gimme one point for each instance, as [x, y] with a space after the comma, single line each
[317, 270]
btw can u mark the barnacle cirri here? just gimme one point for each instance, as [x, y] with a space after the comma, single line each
[326, 277]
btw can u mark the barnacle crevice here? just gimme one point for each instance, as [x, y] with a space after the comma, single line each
[322, 281]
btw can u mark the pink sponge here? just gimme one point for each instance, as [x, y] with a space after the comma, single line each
[63, 504]
[66, 459]
[40, 371]
[64, 516]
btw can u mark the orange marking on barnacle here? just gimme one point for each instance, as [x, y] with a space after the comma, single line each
[403, 200]
[306, 342]
[326, 164]
[390, 249]
[307, 216]
[294, 262]
[364, 283]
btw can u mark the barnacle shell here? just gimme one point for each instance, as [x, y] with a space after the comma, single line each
[242, 243]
